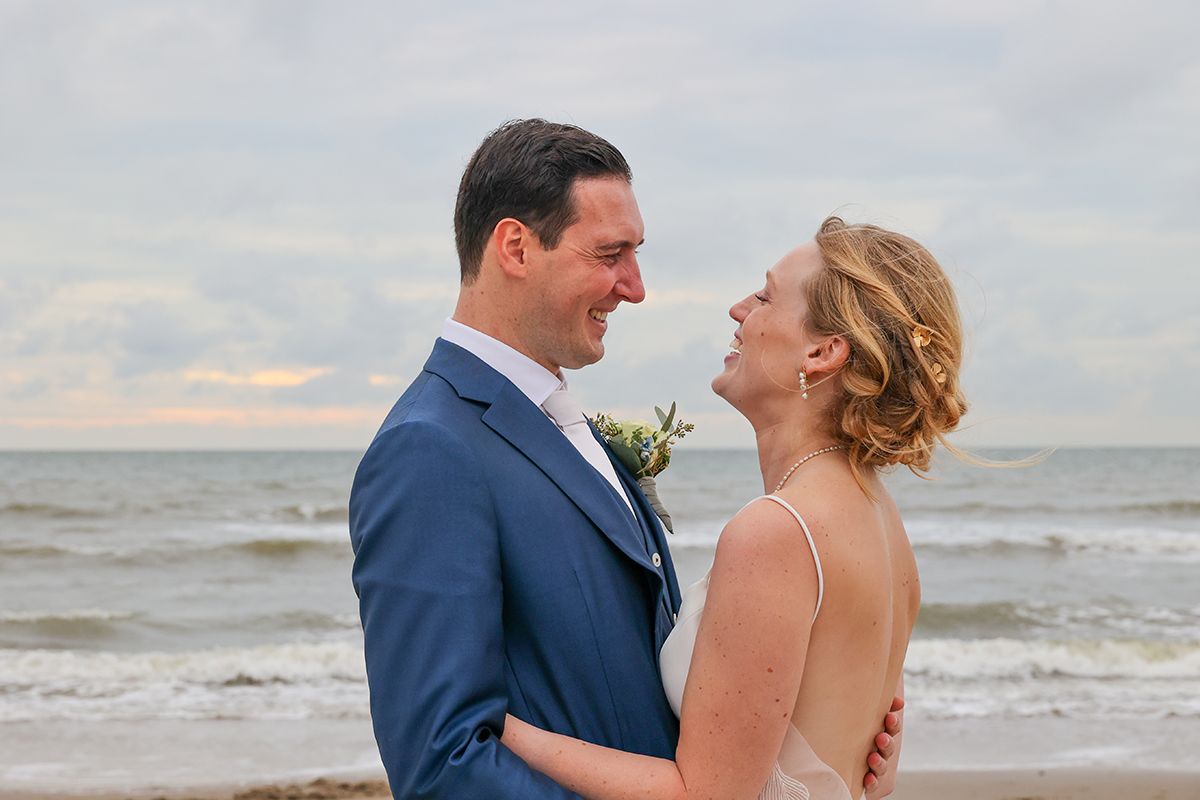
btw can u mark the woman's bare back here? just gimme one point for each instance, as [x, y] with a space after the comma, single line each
[857, 646]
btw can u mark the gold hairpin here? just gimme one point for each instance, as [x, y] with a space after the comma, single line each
[921, 336]
[939, 374]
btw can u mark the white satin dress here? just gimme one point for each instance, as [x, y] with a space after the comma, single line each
[798, 773]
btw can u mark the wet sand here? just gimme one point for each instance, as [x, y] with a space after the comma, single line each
[1063, 784]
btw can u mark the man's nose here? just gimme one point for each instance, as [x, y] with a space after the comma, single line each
[630, 286]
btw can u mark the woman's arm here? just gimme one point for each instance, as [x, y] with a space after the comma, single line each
[750, 655]
[742, 684]
[593, 771]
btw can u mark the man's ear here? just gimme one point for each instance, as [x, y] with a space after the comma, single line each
[513, 241]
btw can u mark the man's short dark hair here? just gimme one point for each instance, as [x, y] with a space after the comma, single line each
[525, 169]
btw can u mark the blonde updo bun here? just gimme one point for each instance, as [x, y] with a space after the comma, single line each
[891, 300]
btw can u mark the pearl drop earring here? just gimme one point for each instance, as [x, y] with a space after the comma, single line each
[803, 385]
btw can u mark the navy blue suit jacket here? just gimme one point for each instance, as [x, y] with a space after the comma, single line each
[497, 572]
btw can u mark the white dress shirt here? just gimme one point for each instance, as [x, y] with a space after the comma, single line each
[534, 381]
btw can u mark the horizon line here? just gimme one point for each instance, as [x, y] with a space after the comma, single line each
[726, 449]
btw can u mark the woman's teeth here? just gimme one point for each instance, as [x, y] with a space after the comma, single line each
[735, 346]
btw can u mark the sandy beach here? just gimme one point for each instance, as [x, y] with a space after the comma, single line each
[941, 785]
[1036, 759]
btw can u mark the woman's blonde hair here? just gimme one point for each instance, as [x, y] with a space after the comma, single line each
[891, 300]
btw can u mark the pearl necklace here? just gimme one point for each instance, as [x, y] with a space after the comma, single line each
[813, 454]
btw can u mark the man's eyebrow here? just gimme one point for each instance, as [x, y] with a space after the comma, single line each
[620, 245]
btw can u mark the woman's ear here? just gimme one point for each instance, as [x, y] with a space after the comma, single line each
[828, 355]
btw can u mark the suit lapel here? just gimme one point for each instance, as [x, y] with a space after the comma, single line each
[648, 519]
[525, 427]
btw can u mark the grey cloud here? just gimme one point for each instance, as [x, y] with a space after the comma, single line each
[1083, 66]
[342, 387]
[152, 338]
[29, 390]
[286, 163]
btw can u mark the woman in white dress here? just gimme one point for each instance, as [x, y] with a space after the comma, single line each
[789, 652]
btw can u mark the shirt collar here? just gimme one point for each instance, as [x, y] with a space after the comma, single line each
[535, 381]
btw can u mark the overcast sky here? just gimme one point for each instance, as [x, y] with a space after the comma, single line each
[229, 224]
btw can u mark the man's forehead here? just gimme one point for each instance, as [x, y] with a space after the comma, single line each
[611, 226]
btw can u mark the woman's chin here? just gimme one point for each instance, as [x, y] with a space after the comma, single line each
[721, 385]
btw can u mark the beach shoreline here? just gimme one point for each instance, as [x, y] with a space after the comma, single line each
[987, 784]
[1016, 759]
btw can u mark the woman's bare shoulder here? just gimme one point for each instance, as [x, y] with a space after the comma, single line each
[845, 522]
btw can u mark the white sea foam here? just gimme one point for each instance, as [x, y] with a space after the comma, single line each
[1038, 618]
[1087, 679]
[1075, 536]
[1044, 535]
[1079, 699]
[1000, 659]
[946, 678]
[268, 682]
[261, 538]
[72, 615]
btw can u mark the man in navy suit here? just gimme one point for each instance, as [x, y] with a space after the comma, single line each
[505, 561]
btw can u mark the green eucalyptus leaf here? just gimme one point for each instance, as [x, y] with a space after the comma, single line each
[629, 457]
[670, 418]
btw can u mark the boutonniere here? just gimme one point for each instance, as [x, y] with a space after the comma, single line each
[645, 449]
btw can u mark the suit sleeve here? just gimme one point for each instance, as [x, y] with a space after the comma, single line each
[427, 574]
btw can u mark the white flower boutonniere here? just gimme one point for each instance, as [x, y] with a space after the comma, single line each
[645, 449]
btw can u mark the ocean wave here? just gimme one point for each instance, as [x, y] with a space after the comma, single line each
[273, 547]
[170, 507]
[976, 660]
[944, 678]
[1018, 619]
[1094, 680]
[29, 549]
[283, 681]
[295, 662]
[1186, 507]
[1101, 701]
[1000, 536]
[265, 539]
[83, 623]
[51, 510]
[305, 622]
[974, 507]
[18, 549]
[309, 512]
[74, 624]
[74, 615]
[1137, 541]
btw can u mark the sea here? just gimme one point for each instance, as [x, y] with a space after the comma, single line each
[174, 618]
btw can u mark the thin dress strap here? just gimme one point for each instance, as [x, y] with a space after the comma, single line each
[811, 546]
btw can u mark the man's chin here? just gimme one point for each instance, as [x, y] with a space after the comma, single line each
[582, 358]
